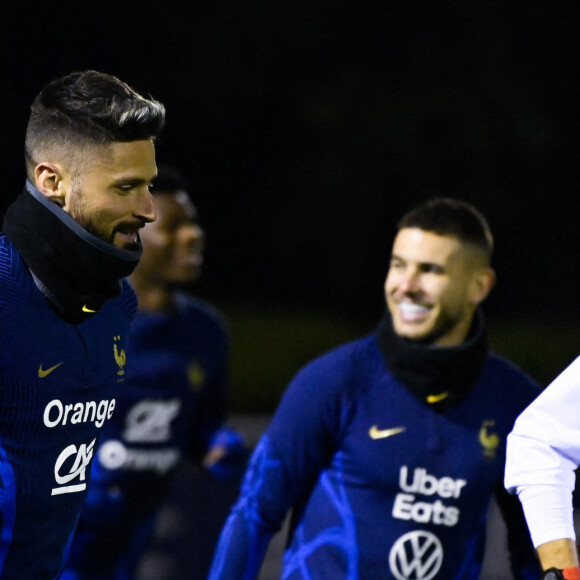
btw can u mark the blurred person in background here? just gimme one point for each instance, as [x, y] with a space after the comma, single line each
[388, 450]
[173, 403]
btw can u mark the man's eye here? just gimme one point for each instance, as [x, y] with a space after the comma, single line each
[432, 269]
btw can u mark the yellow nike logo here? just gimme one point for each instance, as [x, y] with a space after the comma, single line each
[376, 433]
[87, 309]
[437, 398]
[44, 373]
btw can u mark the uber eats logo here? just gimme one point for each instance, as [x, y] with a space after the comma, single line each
[420, 500]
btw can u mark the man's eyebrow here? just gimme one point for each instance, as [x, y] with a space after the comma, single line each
[420, 264]
[131, 181]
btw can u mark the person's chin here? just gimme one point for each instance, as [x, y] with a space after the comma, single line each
[415, 331]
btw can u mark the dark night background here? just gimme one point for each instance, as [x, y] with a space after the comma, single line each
[308, 128]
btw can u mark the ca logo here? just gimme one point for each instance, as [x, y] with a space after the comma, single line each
[82, 459]
[149, 421]
[417, 555]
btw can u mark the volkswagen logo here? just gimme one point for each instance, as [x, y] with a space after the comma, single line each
[417, 555]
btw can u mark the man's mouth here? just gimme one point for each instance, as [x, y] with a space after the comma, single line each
[411, 312]
[127, 239]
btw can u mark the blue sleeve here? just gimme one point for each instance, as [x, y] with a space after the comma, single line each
[246, 534]
[298, 444]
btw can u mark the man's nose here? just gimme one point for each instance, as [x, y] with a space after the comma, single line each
[409, 282]
[145, 206]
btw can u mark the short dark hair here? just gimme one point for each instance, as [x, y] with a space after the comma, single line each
[89, 108]
[451, 217]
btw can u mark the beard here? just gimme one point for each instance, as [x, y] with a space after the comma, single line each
[77, 210]
[438, 325]
[444, 324]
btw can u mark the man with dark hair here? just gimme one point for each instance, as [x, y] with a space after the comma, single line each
[388, 449]
[68, 241]
[174, 401]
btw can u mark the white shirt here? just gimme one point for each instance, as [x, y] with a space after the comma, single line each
[543, 450]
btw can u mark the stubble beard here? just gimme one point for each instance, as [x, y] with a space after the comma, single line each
[77, 212]
[445, 323]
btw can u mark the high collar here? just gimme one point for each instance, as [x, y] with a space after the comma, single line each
[76, 271]
[440, 376]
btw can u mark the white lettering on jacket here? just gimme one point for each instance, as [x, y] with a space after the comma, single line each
[406, 506]
[114, 455]
[55, 413]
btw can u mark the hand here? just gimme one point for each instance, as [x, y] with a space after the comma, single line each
[215, 454]
[227, 455]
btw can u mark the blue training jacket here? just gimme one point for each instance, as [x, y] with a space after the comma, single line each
[58, 385]
[380, 485]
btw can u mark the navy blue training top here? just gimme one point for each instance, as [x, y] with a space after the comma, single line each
[379, 484]
[58, 384]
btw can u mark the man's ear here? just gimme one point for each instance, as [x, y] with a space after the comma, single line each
[481, 285]
[50, 181]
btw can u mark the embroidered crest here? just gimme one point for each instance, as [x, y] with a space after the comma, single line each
[489, 440]
[120, 356]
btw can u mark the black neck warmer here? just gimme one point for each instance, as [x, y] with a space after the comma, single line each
[440, 376]
[76, 271]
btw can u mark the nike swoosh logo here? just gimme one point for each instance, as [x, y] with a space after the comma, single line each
[376, 433]
[437, 398]
[44, 373]
[87, 309]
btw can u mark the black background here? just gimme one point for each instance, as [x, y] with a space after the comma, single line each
[308, 128]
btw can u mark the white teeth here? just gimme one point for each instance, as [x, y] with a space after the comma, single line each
[412, 308]
[411, 312]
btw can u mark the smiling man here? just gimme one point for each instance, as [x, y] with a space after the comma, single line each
[111, 200]
[69, 240]
[389, 449]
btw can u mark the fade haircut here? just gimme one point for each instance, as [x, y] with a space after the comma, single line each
[452, 217]
[86, 109]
